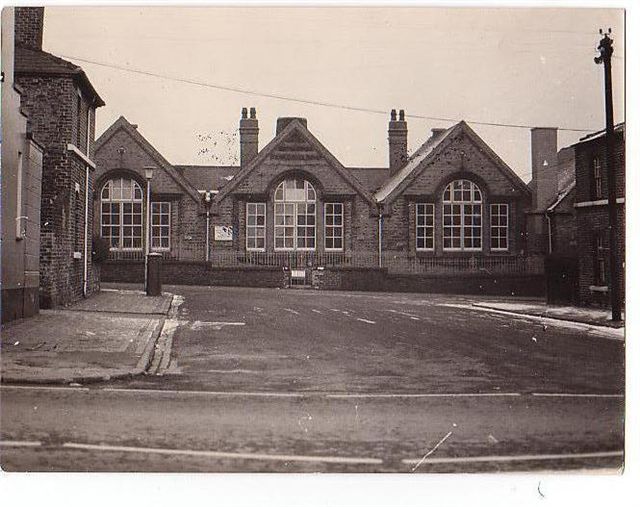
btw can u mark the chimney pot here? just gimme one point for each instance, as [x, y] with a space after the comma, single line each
[244, 112]
[401, 114]
[252, 113]
[393, 115]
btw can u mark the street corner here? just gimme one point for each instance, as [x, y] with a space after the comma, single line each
[78, 346]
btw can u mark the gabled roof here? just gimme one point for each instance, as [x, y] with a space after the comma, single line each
[122, 124]
[431, 147]
[208, 177]
[37, 62]
[297, 126]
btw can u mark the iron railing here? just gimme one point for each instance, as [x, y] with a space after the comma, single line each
[394, 262]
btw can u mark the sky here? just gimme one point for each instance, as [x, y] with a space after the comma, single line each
[531, 67]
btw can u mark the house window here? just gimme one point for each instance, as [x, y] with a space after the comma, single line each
[256, 221]
[601, 255]
[333, 226]
[499, 227]
[462, 216]
[295, 215]
[424, 226]
[121, 214]
[160, 225]
[597, 178]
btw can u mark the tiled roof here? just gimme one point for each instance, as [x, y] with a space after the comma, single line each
[37, 62]
[372, 178]
[208, 177]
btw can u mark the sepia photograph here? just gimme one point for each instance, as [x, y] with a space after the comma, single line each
[294, 238]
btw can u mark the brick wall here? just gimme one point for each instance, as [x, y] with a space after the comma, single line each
[187, 228]
[585, 153]
[196, 273]
[589, 222]
[399, 221]
[595, 218]
[29, 22]
[364, 279]
[51, 105]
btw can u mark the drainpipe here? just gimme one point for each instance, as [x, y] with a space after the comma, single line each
[85, 273]
[207, 200]
[549, 232]
[380, 238]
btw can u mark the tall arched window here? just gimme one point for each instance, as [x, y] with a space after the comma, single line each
[462, 216]
[121, 214]
[295, 215]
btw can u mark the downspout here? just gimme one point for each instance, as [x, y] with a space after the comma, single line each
[380, 237]
[85, 275]
[546, 214]
[207, 199]
[85, 272]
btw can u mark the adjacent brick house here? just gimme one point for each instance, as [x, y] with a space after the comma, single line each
[591, 205]
[21, 186]
[291, 213]
[60, 102]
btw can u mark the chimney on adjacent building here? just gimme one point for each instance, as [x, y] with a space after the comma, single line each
[544, 166]
[248, 136]
[29, 25]
[397, 142]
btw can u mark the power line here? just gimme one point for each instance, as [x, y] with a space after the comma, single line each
[304, 101]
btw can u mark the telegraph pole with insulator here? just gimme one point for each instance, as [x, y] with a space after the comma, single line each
[606, 51]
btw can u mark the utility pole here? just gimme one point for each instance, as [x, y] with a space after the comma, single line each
[606, 50]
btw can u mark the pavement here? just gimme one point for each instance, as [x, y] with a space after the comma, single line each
[109, 335]
[593, 316]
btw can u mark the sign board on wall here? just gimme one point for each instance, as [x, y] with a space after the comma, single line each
[223, 233]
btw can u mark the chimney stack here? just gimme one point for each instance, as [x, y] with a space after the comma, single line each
[248, 136]
[29, 25]
[544, 166]
[397, 142]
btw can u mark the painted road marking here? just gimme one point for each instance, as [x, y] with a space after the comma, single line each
[365, 320]
[316, 311]
[420, 395]
[20, 443]
[523, 457]
[577, 395]
[291, 311]
[275, 394]
[411, 316]
[221, 454]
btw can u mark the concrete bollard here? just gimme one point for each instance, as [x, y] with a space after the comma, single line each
[154, 274]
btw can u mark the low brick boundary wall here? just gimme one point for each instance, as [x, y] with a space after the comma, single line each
[344, 278]
[196, 273]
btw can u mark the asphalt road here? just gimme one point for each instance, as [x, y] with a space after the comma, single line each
[274, 380]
